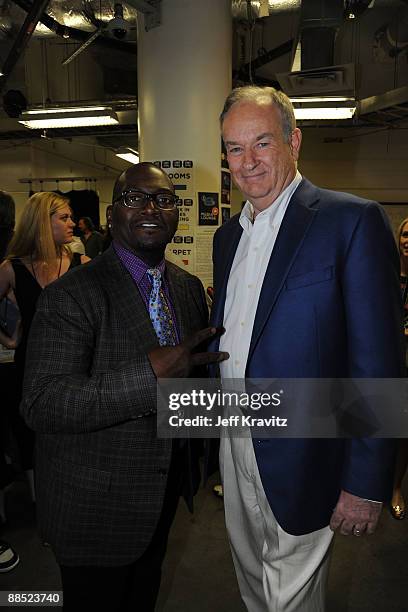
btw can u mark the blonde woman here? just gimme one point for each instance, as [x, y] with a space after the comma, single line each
[37, 255]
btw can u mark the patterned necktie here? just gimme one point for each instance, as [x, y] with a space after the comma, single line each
[159, 311]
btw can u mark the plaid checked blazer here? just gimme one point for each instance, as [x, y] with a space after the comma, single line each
[88, 393]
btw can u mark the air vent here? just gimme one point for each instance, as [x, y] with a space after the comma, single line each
[333, 80]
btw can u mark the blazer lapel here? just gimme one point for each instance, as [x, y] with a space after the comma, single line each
[128, 302]
[130, 305]
[299, 215]
[217, 312]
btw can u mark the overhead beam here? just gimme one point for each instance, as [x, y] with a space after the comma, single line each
[387, 100]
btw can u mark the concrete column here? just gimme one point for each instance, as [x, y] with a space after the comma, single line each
[184, 76]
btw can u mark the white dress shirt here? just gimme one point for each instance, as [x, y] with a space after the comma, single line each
[246, 278]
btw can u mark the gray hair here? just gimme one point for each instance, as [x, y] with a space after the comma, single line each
[260, 95]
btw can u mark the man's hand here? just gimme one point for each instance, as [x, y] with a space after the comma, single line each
[7, 342]
[354, 515]
[178, 361]
[13, 341]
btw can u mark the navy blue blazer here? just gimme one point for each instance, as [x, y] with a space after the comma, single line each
[330, 307]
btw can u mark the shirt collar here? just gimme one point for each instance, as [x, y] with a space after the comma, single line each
[134, 264]
[275, 212]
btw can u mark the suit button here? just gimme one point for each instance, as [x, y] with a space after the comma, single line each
[162, 471]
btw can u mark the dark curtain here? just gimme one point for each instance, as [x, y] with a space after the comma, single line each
[84, 203]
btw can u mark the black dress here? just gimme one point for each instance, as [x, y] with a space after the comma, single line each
[27, 291]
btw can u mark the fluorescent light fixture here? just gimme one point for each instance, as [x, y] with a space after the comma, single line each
[334, 112]
[325, 99]
[52, 118]
[130, 155]
[323, 107]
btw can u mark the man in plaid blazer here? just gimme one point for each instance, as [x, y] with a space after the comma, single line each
[107, 487]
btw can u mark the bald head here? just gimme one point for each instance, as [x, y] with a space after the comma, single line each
[141, 176]
[146, 228]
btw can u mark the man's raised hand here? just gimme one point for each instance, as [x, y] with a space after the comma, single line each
[178, 361]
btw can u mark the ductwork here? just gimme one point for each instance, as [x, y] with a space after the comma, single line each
[55, 28]
[38, 11]
[84, 15]
[320, 20]
[242, 8]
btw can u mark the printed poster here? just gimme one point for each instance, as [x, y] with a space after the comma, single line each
[208, 210]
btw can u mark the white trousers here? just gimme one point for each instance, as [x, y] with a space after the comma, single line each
[276, 571]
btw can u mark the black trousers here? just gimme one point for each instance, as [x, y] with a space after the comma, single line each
[127, 588]
[11, 384]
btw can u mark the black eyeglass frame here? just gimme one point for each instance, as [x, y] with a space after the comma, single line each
[147, 197]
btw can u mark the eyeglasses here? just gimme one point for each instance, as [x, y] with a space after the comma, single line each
[139, 199]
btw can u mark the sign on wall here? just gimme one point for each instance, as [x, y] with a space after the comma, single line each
[181, 250]
[199, 217]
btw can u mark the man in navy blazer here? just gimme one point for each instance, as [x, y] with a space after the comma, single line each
[306, 286]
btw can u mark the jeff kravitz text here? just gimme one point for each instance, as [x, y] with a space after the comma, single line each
[231, 421]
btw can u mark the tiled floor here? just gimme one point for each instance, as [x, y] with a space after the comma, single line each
[367, 574]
